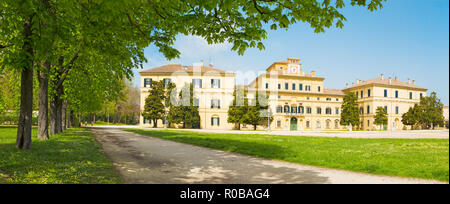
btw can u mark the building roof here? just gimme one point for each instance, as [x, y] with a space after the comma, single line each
[171, 68]
[385, 81]
[333, 92]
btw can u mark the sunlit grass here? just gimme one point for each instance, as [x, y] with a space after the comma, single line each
[70, 157]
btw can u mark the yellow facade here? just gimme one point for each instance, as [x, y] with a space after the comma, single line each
[390, 93]
[298, 100]
[205, 94]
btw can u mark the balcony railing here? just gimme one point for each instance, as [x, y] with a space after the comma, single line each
[292, 114]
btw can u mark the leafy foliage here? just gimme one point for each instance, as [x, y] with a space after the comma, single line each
[186, 110]
[429, 112]
[412, 117]
[381, 116]
[154, 108]
[254, 114]
[238, 108]
[349, 113]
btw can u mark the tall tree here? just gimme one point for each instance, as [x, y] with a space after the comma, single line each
[412, 117]
[381, 117]
[257, 109]
[349, 113]
[189, 110]
[154, 108]
[432, 108]
[238, 108]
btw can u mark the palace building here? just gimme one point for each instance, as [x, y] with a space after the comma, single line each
[297, 100]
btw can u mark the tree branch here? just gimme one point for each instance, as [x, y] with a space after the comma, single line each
[66, 70]
[5, 46]
[137, 26]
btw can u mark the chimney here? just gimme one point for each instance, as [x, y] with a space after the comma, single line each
[382, 76]
[346, 85]
[395, 78]
[201, 64]
[357, 81]
[313, 73]
[414, 82]
[353, 83]
[409, 80]
[390, 80]
[210, 65]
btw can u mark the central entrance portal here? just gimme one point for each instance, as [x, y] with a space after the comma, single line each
[293, 124]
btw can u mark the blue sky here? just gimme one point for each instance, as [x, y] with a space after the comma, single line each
[407, 38]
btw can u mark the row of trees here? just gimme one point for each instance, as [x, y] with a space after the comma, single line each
[80, 50]
[165, 103]
[256, 113]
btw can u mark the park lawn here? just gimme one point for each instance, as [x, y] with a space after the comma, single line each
[70, 157]
[418, 158]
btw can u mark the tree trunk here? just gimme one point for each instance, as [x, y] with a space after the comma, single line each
[254, 127]
[239, 126]
[69, 118]
[55, 115]
[43, 103]
[26, 91]
[63, 115]
[155, 123]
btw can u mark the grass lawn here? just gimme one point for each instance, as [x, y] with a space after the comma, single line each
[70, 157]
[420, 158]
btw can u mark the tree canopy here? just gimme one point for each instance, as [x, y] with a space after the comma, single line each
[381, 116]
[349, 113]
[428, 113]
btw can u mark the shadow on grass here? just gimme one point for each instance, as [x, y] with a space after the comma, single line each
[69, 157]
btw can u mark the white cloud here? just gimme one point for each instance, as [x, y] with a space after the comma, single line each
[195, 47]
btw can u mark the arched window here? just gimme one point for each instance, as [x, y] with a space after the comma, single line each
[336, 124]
[301, 109]
[215, 121]
[328, 124]
[328, 111]
[293, 109]
[286, 108]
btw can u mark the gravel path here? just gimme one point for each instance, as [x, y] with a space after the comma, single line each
[143, 159]
[411, 134]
